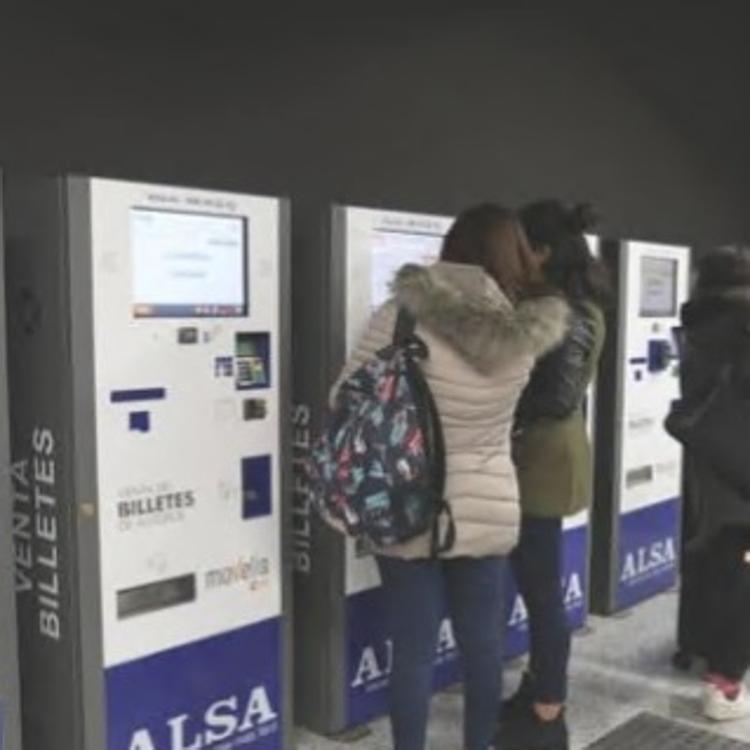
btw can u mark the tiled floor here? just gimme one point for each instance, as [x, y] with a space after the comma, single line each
[619, 669]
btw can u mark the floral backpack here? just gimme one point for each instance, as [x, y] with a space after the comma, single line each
[378, 470]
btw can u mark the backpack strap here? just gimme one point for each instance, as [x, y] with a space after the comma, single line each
[405, 328]
[443, 536]
[443, 514]
[406, 338]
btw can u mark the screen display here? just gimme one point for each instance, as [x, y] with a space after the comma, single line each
[188, 265]
[391, 250]
[658, 287]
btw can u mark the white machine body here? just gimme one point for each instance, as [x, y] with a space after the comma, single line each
[654, 282]
[186, 344]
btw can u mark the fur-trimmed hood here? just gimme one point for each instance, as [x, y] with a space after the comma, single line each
[466, 308]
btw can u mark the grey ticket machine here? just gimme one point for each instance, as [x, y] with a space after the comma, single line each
[10, 731]
[148, 339]
[343, 648]
[637, 509]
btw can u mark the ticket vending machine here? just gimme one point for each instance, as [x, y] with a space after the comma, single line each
[148, 339]
[343, 651]
[637, 509]
[10, 731]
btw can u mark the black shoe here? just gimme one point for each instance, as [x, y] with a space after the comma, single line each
[526, 731]
[521, 701]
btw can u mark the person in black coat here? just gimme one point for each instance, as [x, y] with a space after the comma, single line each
[715, 335]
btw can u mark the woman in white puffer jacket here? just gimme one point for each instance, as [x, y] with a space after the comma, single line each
[485, 328]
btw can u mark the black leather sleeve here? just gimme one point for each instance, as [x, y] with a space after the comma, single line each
[559, 380]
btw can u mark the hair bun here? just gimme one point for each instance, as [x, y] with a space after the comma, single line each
[582, 218]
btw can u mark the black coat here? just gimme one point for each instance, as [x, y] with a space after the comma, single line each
[559, 380]
[716, 332]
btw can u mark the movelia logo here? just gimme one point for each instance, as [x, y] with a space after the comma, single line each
[252, 573]
[374, 666]
[224, 720]
[573, 597]
[648, 561]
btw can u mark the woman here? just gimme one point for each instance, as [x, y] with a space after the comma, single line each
[484, 333]
[716, 334]
[553, 460]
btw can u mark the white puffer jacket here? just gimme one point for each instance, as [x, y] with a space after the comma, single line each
[482, 350]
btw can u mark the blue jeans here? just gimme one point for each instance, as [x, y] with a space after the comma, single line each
[537, 564]
[415, 592]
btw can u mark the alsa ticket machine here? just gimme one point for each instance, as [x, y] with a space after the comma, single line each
[342, 644]
[637, 509]
[148, 372]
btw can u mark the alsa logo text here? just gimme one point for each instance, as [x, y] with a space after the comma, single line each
[375, 665]
[573, 597]
[648, 561]
[231, 719]
[252, 573]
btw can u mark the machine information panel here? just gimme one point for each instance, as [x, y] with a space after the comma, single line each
[378, 243]
[186, 343]
[392, 248]
[188, 264]
[654, 281]
[658, 287]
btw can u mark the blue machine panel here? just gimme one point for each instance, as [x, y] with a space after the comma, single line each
[648, 552]
[200, 695]
[575, 586]
[369, 658]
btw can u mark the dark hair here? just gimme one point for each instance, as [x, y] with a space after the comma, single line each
[491, 237]
[467, 241]
[571, 267]
[723, 268]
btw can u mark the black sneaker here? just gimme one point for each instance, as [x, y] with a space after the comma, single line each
[520, 701]
[524, 730]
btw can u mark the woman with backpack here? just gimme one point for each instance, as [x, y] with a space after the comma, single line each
[484, 323]
[553, 460]
[716, 344]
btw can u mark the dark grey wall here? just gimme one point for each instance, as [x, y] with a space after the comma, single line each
[410, 110]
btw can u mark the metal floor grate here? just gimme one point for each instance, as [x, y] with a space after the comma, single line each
[650, 732]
